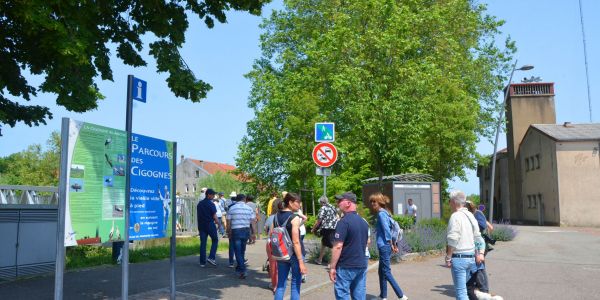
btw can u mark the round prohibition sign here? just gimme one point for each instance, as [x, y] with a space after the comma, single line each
[324, 154]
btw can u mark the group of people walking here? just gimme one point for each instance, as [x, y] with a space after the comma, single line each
[240, 224]
[348, 237]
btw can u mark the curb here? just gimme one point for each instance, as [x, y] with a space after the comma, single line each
[304, 291]
[416, 255]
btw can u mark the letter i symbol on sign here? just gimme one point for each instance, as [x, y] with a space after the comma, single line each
[139, 90]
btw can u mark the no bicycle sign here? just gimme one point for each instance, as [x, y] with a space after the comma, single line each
[324, 154]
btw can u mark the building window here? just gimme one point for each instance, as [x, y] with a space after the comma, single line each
[537, 161]
[197, 173]
[194, 187]
[528, 201]
[187, 188]
[527, 164]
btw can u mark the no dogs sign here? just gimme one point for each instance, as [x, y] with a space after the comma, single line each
[324, 154]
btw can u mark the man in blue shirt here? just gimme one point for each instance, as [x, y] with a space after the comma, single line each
[207, 226]
[348, 268]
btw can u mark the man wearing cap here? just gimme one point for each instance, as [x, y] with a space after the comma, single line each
[207, 226]
[240, 218]
[348, 267]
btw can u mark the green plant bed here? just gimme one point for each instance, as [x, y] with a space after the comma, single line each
[90, 256]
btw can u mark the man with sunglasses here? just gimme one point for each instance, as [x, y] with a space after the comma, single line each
[348, 269]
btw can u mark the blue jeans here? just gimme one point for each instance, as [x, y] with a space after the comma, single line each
[221, 228]
[350, 282]
[461, 273]
[283, 269]
[204, 234]
[231, 252]
[385, 273]
[240, 238]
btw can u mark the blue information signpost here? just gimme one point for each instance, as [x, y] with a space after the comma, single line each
[324, 132]
[138, 90]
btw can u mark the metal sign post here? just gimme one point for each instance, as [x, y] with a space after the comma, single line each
[59, 270]
[174, 222]
[125, 251]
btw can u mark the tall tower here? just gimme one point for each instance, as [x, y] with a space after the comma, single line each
[527, 103]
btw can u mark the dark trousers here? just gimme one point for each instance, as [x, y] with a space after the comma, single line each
[478, 280]
[204, 234]
[240, 238]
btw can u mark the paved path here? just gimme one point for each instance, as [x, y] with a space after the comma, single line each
[542, 263]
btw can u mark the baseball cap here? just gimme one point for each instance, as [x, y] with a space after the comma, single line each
[347, 195]
[221, 193]
[210, 192]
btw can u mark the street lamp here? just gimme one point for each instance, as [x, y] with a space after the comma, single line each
[500, 119]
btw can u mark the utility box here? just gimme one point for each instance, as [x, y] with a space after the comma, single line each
[421, 188]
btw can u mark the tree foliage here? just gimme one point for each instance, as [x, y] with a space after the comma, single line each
[221, 182]
[408, 83]
[68, 43]
[34, 166]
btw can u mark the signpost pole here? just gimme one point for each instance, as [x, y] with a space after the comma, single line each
[324, 181]
[174, 221]
[125, 256]
[59, 270]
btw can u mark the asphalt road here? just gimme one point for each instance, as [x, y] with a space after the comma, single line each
[541, 263]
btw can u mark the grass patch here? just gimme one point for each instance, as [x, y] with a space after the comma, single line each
[90, 256]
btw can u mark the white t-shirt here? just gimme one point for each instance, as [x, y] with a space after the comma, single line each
[219, 213]
[412, 210]
[302, 227]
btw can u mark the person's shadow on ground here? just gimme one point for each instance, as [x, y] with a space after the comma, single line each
[446, 289]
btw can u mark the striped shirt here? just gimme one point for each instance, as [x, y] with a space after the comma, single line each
[240, 215]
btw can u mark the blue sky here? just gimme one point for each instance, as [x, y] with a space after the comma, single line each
[547, 34]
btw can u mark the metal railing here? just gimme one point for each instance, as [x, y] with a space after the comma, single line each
[25, 194]
[186, 216]
[533, 88]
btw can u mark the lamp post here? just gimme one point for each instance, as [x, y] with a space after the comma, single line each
[500, 120]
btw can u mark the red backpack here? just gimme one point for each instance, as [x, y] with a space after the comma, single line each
[280, 241]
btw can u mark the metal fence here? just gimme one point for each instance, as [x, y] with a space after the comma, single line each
[23, 194]
[186, 216]
[188, 221]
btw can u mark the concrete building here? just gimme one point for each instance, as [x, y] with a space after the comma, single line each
[190, 170]
[549, 173]
[501, 193]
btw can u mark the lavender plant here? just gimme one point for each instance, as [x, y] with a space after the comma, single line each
[504, 232]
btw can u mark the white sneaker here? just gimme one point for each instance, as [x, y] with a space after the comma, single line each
[211, 261]
[404, 297]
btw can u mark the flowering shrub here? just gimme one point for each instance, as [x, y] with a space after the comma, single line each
[504, 232]
[425, 237]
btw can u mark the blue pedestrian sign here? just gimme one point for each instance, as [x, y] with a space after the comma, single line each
[324, 132]
[138, 90]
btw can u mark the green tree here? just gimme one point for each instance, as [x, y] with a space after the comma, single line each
[221, 182]
[408, 83]
[34, 166]
[68, 43]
